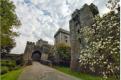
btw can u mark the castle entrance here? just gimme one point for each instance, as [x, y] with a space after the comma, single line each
[36, 56]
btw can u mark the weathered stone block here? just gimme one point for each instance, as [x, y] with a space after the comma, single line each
[80, 18]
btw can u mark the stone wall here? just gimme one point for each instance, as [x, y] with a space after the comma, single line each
[42, 46]
[80, 18]
[62, 36]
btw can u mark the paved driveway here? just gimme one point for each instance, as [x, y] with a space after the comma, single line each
[38, 71]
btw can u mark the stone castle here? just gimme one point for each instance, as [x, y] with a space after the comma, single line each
[36, 51]
[41, 49]
[80, 18]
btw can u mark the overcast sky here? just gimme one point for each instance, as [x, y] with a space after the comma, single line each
[42, 18]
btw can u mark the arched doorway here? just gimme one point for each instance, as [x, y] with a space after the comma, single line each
[36, 56]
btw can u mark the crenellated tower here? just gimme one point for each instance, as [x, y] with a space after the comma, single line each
[28, 50]
[80, 18]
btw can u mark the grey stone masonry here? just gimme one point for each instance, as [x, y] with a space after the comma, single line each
[62, 36]
[41, 46]
[80, 18]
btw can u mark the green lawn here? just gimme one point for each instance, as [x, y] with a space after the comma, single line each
[12, 75]
[82, 76]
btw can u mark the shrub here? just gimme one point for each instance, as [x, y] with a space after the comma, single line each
[63, 53]
[4, 70]
[7, 65]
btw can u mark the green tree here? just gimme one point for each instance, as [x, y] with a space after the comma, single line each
[101, 54]
[63, 51]
[8, 20]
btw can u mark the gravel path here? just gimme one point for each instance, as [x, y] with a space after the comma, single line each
[38, 71]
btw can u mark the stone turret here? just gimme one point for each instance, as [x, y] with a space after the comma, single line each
[62, 36]
[80, 18]
[29, 48]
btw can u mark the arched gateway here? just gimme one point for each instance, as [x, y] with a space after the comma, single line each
[36, 52]
[36, 56]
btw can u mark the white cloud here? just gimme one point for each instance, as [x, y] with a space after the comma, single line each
[42, 18]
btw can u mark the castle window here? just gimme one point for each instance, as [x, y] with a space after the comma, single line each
[80, 40]
[78, 31]
[66, 41]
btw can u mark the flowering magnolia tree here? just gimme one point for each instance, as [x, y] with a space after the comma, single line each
[100, 54]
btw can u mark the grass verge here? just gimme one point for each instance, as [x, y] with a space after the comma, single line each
[12, 75]
[82, 76]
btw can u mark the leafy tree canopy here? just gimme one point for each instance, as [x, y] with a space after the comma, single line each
[8, 21]
[63, 51]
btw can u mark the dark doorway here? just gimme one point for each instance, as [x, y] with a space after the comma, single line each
[36, 56]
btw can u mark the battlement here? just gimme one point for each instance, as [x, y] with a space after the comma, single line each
[84, 16]
[41, 42]
[90, 7]
[30, 43]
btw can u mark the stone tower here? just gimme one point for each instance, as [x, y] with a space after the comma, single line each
[80, 18]
[62, 36]
[28, 50]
